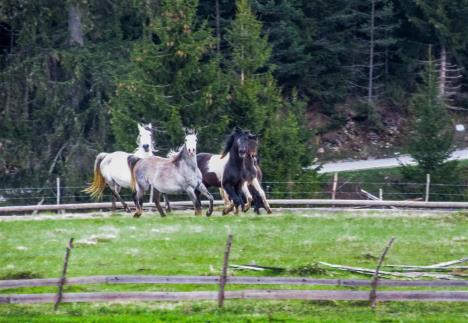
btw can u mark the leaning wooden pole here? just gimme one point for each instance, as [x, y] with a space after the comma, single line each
[63, 278]
[375, 279]
[223, 277]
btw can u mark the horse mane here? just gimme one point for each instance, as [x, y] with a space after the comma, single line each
[174, 155]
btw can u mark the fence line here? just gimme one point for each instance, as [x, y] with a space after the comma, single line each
[231, 280]
[245, 294]
[278, 202]
[221, 294]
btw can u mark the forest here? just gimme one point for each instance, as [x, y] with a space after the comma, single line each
[77, 76]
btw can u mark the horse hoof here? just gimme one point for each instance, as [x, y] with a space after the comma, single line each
[137, 215]
[269, 211]
[163, 215]
[209, 212]
[198, 212]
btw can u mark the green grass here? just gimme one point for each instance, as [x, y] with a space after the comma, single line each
[182, 244]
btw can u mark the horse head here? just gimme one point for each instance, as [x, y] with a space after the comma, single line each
[237, 142]
[145, 139]
[191, 142]
[252, 146]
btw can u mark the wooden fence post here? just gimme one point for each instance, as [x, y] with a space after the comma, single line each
[375, 279]
[63, 278]
[335, 183]
[380, 194]
[151, 199]
[223, 277]
[428, 183]
[58, 190]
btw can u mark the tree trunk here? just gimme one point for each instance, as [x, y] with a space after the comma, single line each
[442, 72]
[218, 30]
[75, 27]
[371, 56]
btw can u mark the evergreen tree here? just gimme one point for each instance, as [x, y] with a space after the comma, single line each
[56, 76]
[257, 104]
[430, 142]
[174, 82]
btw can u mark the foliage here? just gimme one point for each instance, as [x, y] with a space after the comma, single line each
[175, 81]
[257, 103]
[156, 61]
[430, 142]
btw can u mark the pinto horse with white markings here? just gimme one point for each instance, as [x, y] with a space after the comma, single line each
[175, 174]
[111, 169]
[225, 170]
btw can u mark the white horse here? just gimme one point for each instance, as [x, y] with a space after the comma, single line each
[112, 169]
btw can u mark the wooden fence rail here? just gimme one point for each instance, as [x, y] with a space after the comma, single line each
[281, 202]
[214, 280]
[246, 294]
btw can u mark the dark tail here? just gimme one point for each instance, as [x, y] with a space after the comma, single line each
[132, 160]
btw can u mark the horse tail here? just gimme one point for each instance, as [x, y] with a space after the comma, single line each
[132, 160]
[98, 185]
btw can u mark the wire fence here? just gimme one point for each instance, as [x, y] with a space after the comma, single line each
[322, 189]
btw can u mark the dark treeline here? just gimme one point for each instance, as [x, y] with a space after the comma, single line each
[76, 76]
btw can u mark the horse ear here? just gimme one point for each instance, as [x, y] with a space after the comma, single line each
[228, 145]
[252, 136]
[236, 130]
[149, 126]
[140, 127]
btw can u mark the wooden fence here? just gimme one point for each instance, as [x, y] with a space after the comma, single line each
[273, 202]
[231, 280]
[267, 294]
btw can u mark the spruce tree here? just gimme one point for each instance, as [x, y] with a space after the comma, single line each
[257, 104]
[430, 141]
[174, 82]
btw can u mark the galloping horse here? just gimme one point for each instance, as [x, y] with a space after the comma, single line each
[252, 175]
[170, 175]
[225, 170]
[112, 168]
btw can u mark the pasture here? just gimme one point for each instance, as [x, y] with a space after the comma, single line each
[182, 244]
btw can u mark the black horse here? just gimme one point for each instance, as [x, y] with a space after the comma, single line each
[225, 170]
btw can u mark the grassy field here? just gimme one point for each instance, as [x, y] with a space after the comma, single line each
[182, 244]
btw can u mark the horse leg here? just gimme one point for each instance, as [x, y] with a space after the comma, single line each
[257, 200]
[260, 191]
[138, 199]
[202, 189]
[196, 202]
[248, 196]
[115, 195]
[232, 191]
[167, 205]
[157, 197]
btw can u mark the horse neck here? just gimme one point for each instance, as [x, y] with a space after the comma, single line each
[234, 158]
[184, 157]
[249, 168]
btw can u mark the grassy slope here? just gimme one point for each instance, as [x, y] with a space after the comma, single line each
[182, 244]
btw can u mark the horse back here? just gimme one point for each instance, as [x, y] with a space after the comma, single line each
[209, 169]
